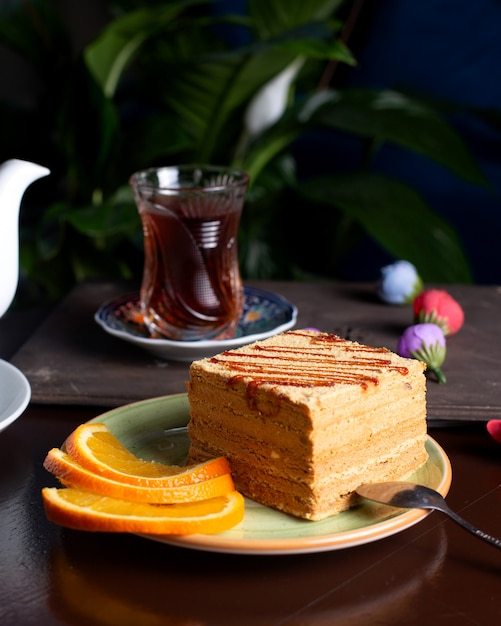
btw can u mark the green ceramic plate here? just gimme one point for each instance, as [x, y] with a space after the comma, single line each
[156, 430]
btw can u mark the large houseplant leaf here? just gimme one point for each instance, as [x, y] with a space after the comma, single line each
[110, 54]
[393, 116]
[396, 217]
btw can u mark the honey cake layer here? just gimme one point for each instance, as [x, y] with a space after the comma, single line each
[306, 415]
[336, 494]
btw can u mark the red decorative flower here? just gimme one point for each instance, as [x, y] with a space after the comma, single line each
[436, 306]
[494, 429]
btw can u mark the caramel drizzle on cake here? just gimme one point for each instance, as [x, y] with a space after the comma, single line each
[308, 367]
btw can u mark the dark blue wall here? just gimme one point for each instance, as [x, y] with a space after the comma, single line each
[448, 49]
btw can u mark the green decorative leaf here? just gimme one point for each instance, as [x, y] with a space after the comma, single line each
[399, 220]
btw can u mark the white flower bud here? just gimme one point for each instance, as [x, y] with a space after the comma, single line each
[269, 104]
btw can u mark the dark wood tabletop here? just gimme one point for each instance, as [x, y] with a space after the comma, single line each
[433, 572]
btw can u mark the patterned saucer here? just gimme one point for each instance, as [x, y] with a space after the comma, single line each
[264, 314]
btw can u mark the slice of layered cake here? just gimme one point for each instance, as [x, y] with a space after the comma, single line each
[305, 417]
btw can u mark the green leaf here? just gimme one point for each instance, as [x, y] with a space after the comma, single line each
[315, 49]
[399, 220]
[154, 139]
[87, 262]
[392, 116]
[109, 55]
[265, 149]
[105, 220]
[208, 91]
[313, 39]
[273, 17]
[50, 233]
[207, 94]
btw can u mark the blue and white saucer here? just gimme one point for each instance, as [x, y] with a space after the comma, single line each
[264, 314]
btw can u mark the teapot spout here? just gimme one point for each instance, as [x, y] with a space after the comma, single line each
[15, 177]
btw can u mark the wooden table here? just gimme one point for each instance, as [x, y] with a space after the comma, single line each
[431, 573]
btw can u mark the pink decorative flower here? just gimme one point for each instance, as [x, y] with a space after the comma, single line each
[438, 307]
[494, 429]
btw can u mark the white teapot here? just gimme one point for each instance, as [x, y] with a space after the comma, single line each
[15, 177]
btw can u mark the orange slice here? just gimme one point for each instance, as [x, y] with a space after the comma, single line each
[83, 510]
[72, 474]
[94, 447]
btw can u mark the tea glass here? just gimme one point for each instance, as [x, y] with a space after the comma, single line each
[191, 287]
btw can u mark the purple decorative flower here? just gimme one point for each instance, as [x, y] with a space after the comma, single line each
[399, 283]
[425, 342]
